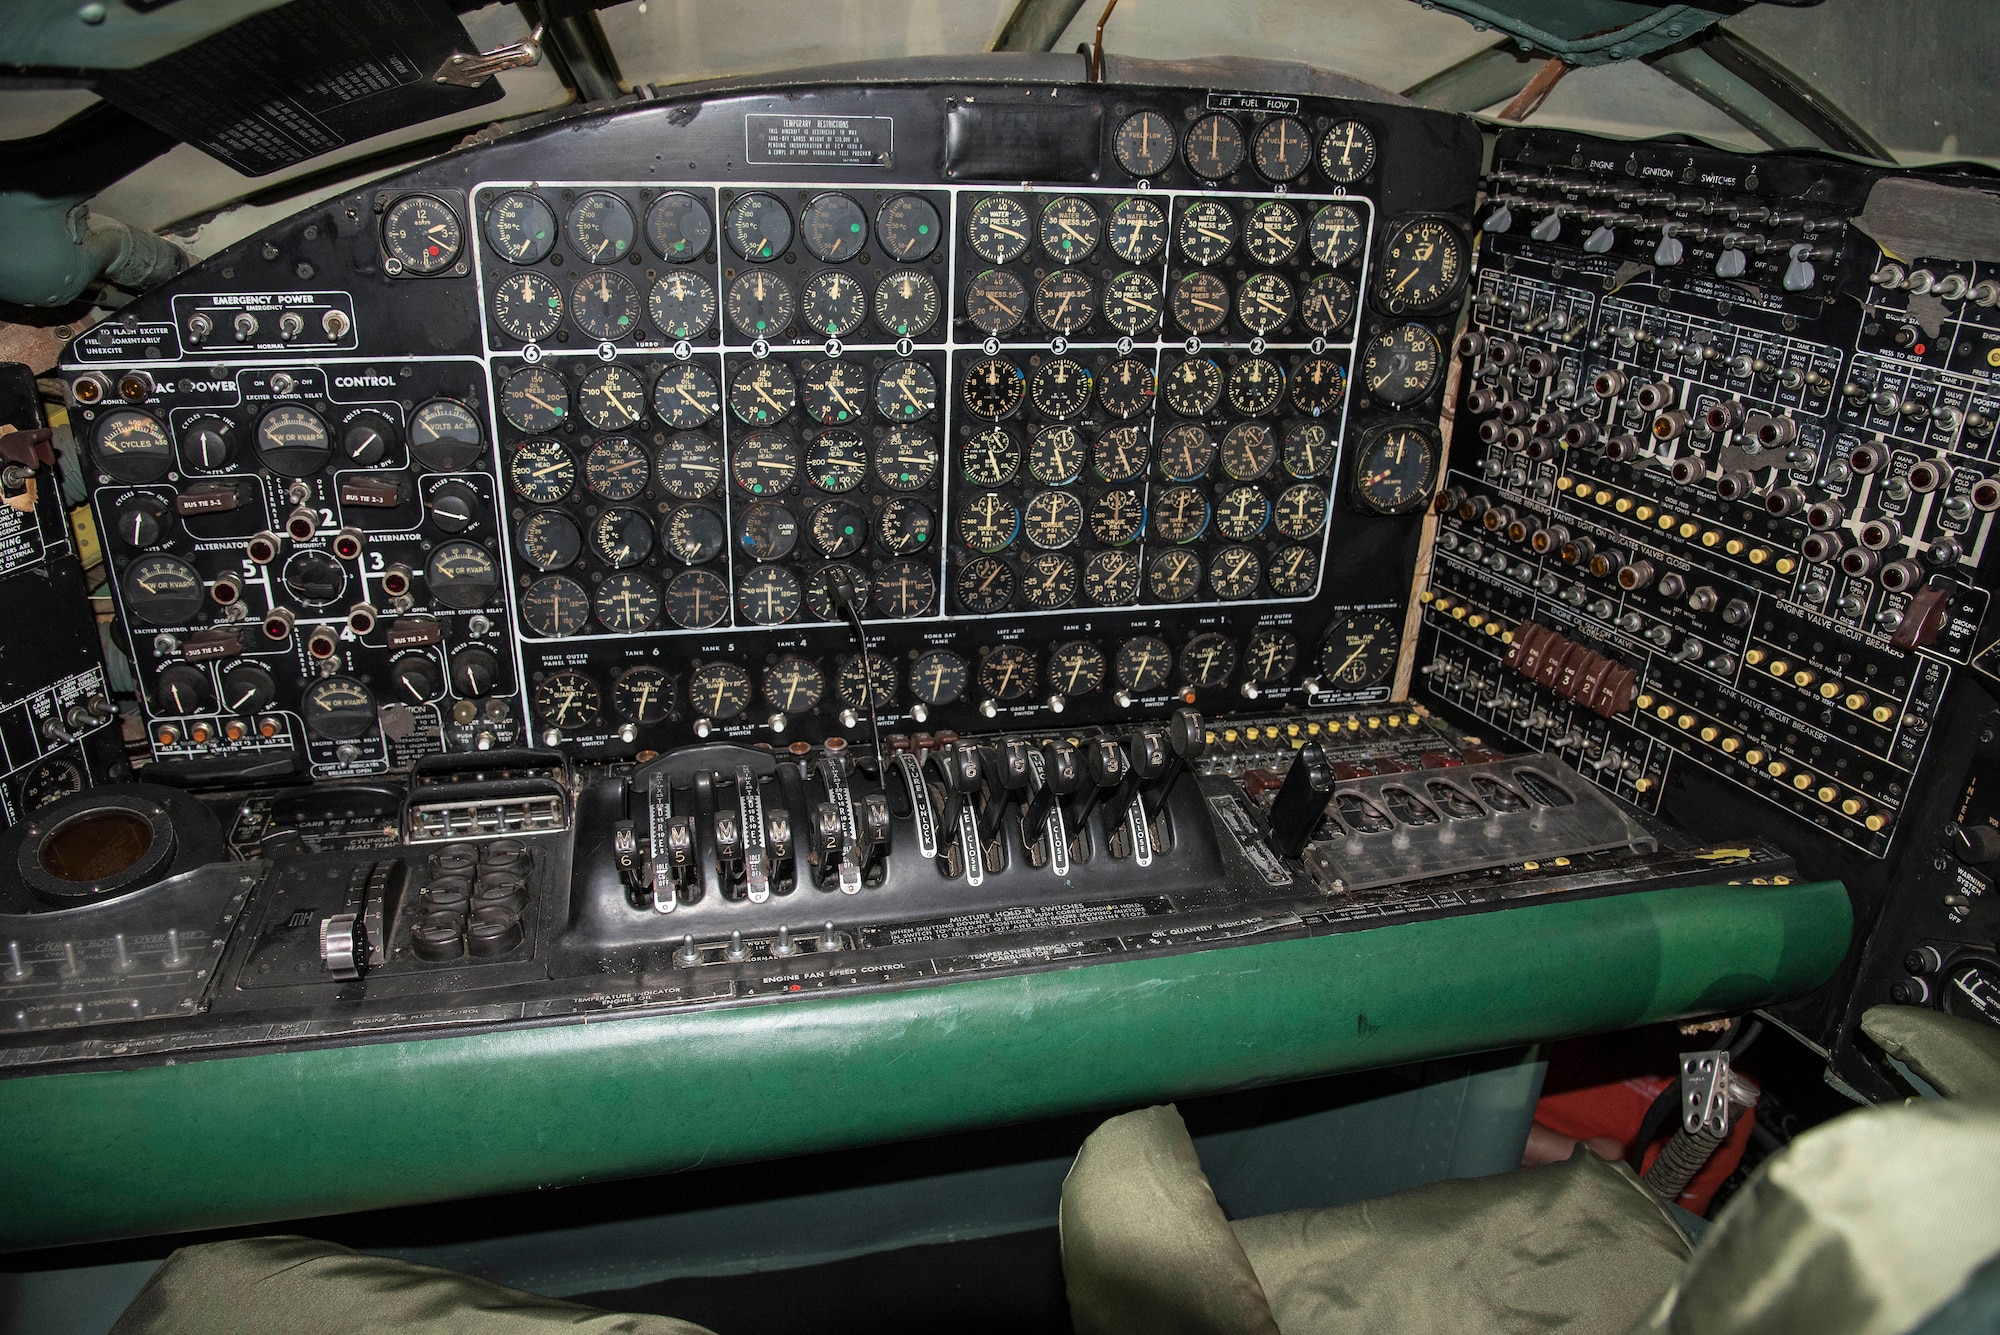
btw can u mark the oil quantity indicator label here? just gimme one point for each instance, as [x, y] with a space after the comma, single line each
[854, 141]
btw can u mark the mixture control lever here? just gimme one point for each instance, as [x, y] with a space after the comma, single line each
[874, 837]
[683, 876]
[1106, 767]
[957, 771]
[728, 852]
[827, 837]
[1187, 738]
[778, 850]
[1301, 803]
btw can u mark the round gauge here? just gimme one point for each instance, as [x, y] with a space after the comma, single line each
[1194, 386]
[837, 528]
[133, 447]
[1144, 143]
[1401, 364]
[1132, 302]
[621, 536]
[601, 227]
[1068, 229]
[1117, 517]
[1395, 470]
[292, 441]
[938, 677]
[769, 595]
[163, 591]
[793, 684]
[836, 462]
[906, 460]
[1360, 651]
[689, 467]
[1347, 152]
[1050, 582]
[555, 606]
[49, 782]
[1308, 449]
[1179, 514]
[1248, 451]
[1077, 667]
[569, 701]
[1423, 267]
[1208, 659]
[694, 534]
[1052, 519]
[338, 709]
[1329, 304]
[992, 457]
[1270, 657]
[1138, 230]
[682, 304]
[697, 599]
[1283, 148]
[534, 399]
[996, 302]
[834, 391]
[527, 306]
[1060, 388]
[1064, 301]
[1186, 452]
[720, 691]
[989, 523]
[854, 683]
[1126, 388]
[1272, 233]
[1235, 573]
[445, 436]
[605, 305]
[906, 391]
[1301, 511]
[1174, 577]
[616, 468]
[993, 388]
[1143, 664]
[1336, 235]
[1256, 386]
[998, 229]
[819, 599]
[248, 688]
[760, 303]
[908, 227]
[1056, 455]
[765, 463]
[679, 227]
[685, 397]
[1207, 232]
[1007, 673]
[835, 304]
[1241, 513]
[548, 540]
[628, 604]
[1120, 454]
[767, 531]
[985, 585]
[643, 695]
[904, 589]
[1318, 386]
[541, 471]
[611, 398]
[1264, 303]
[422, 234]
[907, 303]
[757, 226]
[1294, 571]
[834, 228]
[1111, 578]
[1214, 147]
[762, 393]
[520, 227]
[1200, 303]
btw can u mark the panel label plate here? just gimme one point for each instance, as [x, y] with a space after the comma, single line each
[849, 141]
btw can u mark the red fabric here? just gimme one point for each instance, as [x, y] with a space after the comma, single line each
[1616, 1110]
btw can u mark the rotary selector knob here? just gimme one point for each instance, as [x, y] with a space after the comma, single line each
[141, 521]
[417, 679]
[453, 507]
[474, 672]
[209, 443]
[367, 438]
[247, 688]
[183, 689]
[315, 578]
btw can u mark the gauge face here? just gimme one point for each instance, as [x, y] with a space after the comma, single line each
[694, 534]
[1347, 153]
[339, 709]
[1053, 519]
[793, 684]
[1069, 229]
[697, 599]
[1126, 388]
[462, 575]
[835, 304]
[1308, 449]
[1360, 651]
[989, 523]
[1265, 303]
[1329, 304]
[1423, 267]
[682, 304]
[1186, 452]
[998, 229]
[1179, 514]
[1174, 577]
[1138, 230]
[1214, 147]
[985, 585]
[1118, 517]
[133, 447]
[1007, 673]
[992, 457]
[293, 441]
[906, 460]
[621, 536]
[1256, 385]
[836, 462]
[1120, 454]
[616, 468]
[679, 227]
[765, 463]
[1144, 144]
[1111, 579]
[907, 303]
[908, 228]
[996, 302]
[1248, 451]
[757, 226]
[628, 604]
[904, 527]
[1396, 469]
[1132, 302]
[905, 391]
[1200, 303]
[685, 397]
[834, 228]
[1318, 385]
[1294, 571]
[555, 606]
[1207, 232]
[834, 391]
[445, 436]
[1301, 511]
[1336, 235]
[520, 227]
[549, 540]
[938, 677]
[611, 398]
[1077, 667]
[601, 227]
[1208, 660]
[643, 695]
[1270, 657]
[1050, 582]
[769, 595]
[1272, 233]
[993, 388]
[49, 782]
[1401, 364]
[837, 528]
[163, 591]
[762, 393]
[689, 467]
[1056, 454]
[534, 399]
[1064, 301]
[854, 683]
[527, 306]
[1242, 513]
[1194, 386]
[1060, 388]
[421, 233]
[904, 589]
[719, 690]
[1283, 149]
[819, 600]
[1143, 664]
[1235, 573]
[760, 303]
[767, 531]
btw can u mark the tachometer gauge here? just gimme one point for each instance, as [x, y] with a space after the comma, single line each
[1207, 232]
[1256, 385]
[527, 306]
[906, 460]
[904, 589]
[794, 685]
[1270, 657]
[621, 536]
[1200, 303]
[628, 604]
[835, 304]
[1174, 577]
[762, 393]
[133, 447]
[1132, 302]
[605, 305]
[907, 303]
[1126, 388]
[769, 595]
[1186, 451]
[697, 599]
[555, 606]
[819, 598]
[601, 227]
[856, 683]
[1138, 230]
[1142, 664]
[1294, 571]
[1318, 386]
[1248, 451]
[998, 229]
[1360, 651]
[1052, 519]
[992, 457]
[1235, 573]
[695, 535]
[1069, 229]
[908, 228]
[1007, 673]
[1179, 514]
[1060, 388]
[1336, 235]
[685, 397]
[520, 227]
[1077, 667]
[422, 234]
[679, 227]
[836, 462]
[1423, 267]
[616, 468]
[760, 303]
[765, 463]
[611, 398]
[1272, 233]
[1328, 305]
[549, 540]
[1347, 152]
[996, 302]
[1111, 579]
[1308, 449]
[906, 391]
[568, 701]
[1241, 513]
[1208, 659]
[1395, 469]
[837, 528]
[757, 226]
[938, 677]
[834, 228]
[904, 526]
[1144, 144]
[1056, 455]
[834, 391]
[1401, 364]
[644, 695]
[1301, 511]
[989, 523]
[1120, 454]
[720, 691]
[993, 388]
[1064, 301]
[1214, 147]
[1193, 386]
[291, 440]
[1118, 517]
[985, 585]
[689, 467]
[682, 304]
[1264, 303]
[1282, 149]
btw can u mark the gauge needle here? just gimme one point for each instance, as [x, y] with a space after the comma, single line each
[540, 402]
[1005, 230]
[1351, 657]
[1408, 278]
[1212, 234]
[1206, 305]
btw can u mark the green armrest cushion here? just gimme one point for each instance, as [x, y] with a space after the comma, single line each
[1959, 1058]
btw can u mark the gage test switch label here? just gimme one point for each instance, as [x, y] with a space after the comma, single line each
[854, 141]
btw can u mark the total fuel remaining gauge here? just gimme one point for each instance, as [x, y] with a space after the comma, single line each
[1359, 652]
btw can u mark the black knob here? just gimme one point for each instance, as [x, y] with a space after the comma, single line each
[417, 678]
[367, 438]
[247, 688]
[208, 442]
[1976, 844]
[183, 689]
[142, 521]
[453, 507]
[315, 578]
[474, 671]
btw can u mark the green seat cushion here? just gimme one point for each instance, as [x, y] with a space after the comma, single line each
[1959, 1058]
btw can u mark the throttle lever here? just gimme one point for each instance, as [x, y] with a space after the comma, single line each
[683, 876]
[1105, 766]
[1301, 802]
[1187, 738]
[778, 850]
[874, 837]
[827, 838]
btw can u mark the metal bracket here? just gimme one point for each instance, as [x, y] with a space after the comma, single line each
[468, 71]
[1706, 1104]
